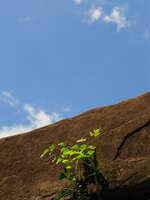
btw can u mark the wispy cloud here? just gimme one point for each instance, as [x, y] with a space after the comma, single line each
[117, 17]
[98, 11]
[78, 2]
[94, 14]
[15, 129]
[36, 117]
[7, 97]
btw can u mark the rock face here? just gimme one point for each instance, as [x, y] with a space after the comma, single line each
[123, 153]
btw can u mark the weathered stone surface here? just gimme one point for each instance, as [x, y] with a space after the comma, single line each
[123, 152]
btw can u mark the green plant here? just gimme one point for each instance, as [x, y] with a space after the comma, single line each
[79, 165]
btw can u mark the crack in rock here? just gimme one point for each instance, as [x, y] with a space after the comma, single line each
[127, 136]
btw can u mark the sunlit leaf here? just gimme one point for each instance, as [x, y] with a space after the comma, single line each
[65, 161]
[81, 156]
[61, 144]
[59, 160]
[72, 153]
[97, 132]
[83, 147]
[46, 151]
[69, 167]
[91, 147]
[82, 140]
[52, 148]
[63, 149]
[75, 147]
[91, 134]
[75, 158]
[91, 152]
[66, 152]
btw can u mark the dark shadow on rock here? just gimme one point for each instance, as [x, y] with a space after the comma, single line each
[138, 192]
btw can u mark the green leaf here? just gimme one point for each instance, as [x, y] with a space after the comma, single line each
[65, 161]
[90, 152]
[69, 167]
[91, 147]
[91, 134]
[75, 147]
[63, 149]
[82, 140]
[61, 144]
[59, 160]
[66, 152]
[52, 148]
[74, 153]
[83, 147]
[81, 156]
[46, 151]
[75, 158]
[97, 132]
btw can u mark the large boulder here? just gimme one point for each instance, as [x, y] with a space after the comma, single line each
[123, 153]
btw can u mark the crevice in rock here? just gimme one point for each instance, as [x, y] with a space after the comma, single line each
[127, 136]
[128, 179]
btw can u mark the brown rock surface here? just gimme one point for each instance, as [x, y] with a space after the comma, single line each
[123, 152]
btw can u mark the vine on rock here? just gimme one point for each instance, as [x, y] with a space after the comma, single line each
[79, 166]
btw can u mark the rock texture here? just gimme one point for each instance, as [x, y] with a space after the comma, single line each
[123, 152]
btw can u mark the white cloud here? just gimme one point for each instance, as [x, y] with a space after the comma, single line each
[7, 97]
[94, 14]
[39, 118]
[15, 129]
[97, 13]
[117, 17]
[36, 118]
[78, 2]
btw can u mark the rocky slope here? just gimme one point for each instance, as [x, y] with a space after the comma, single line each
[123, 152]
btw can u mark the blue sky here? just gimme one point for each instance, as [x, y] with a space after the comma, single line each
[60, 58]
